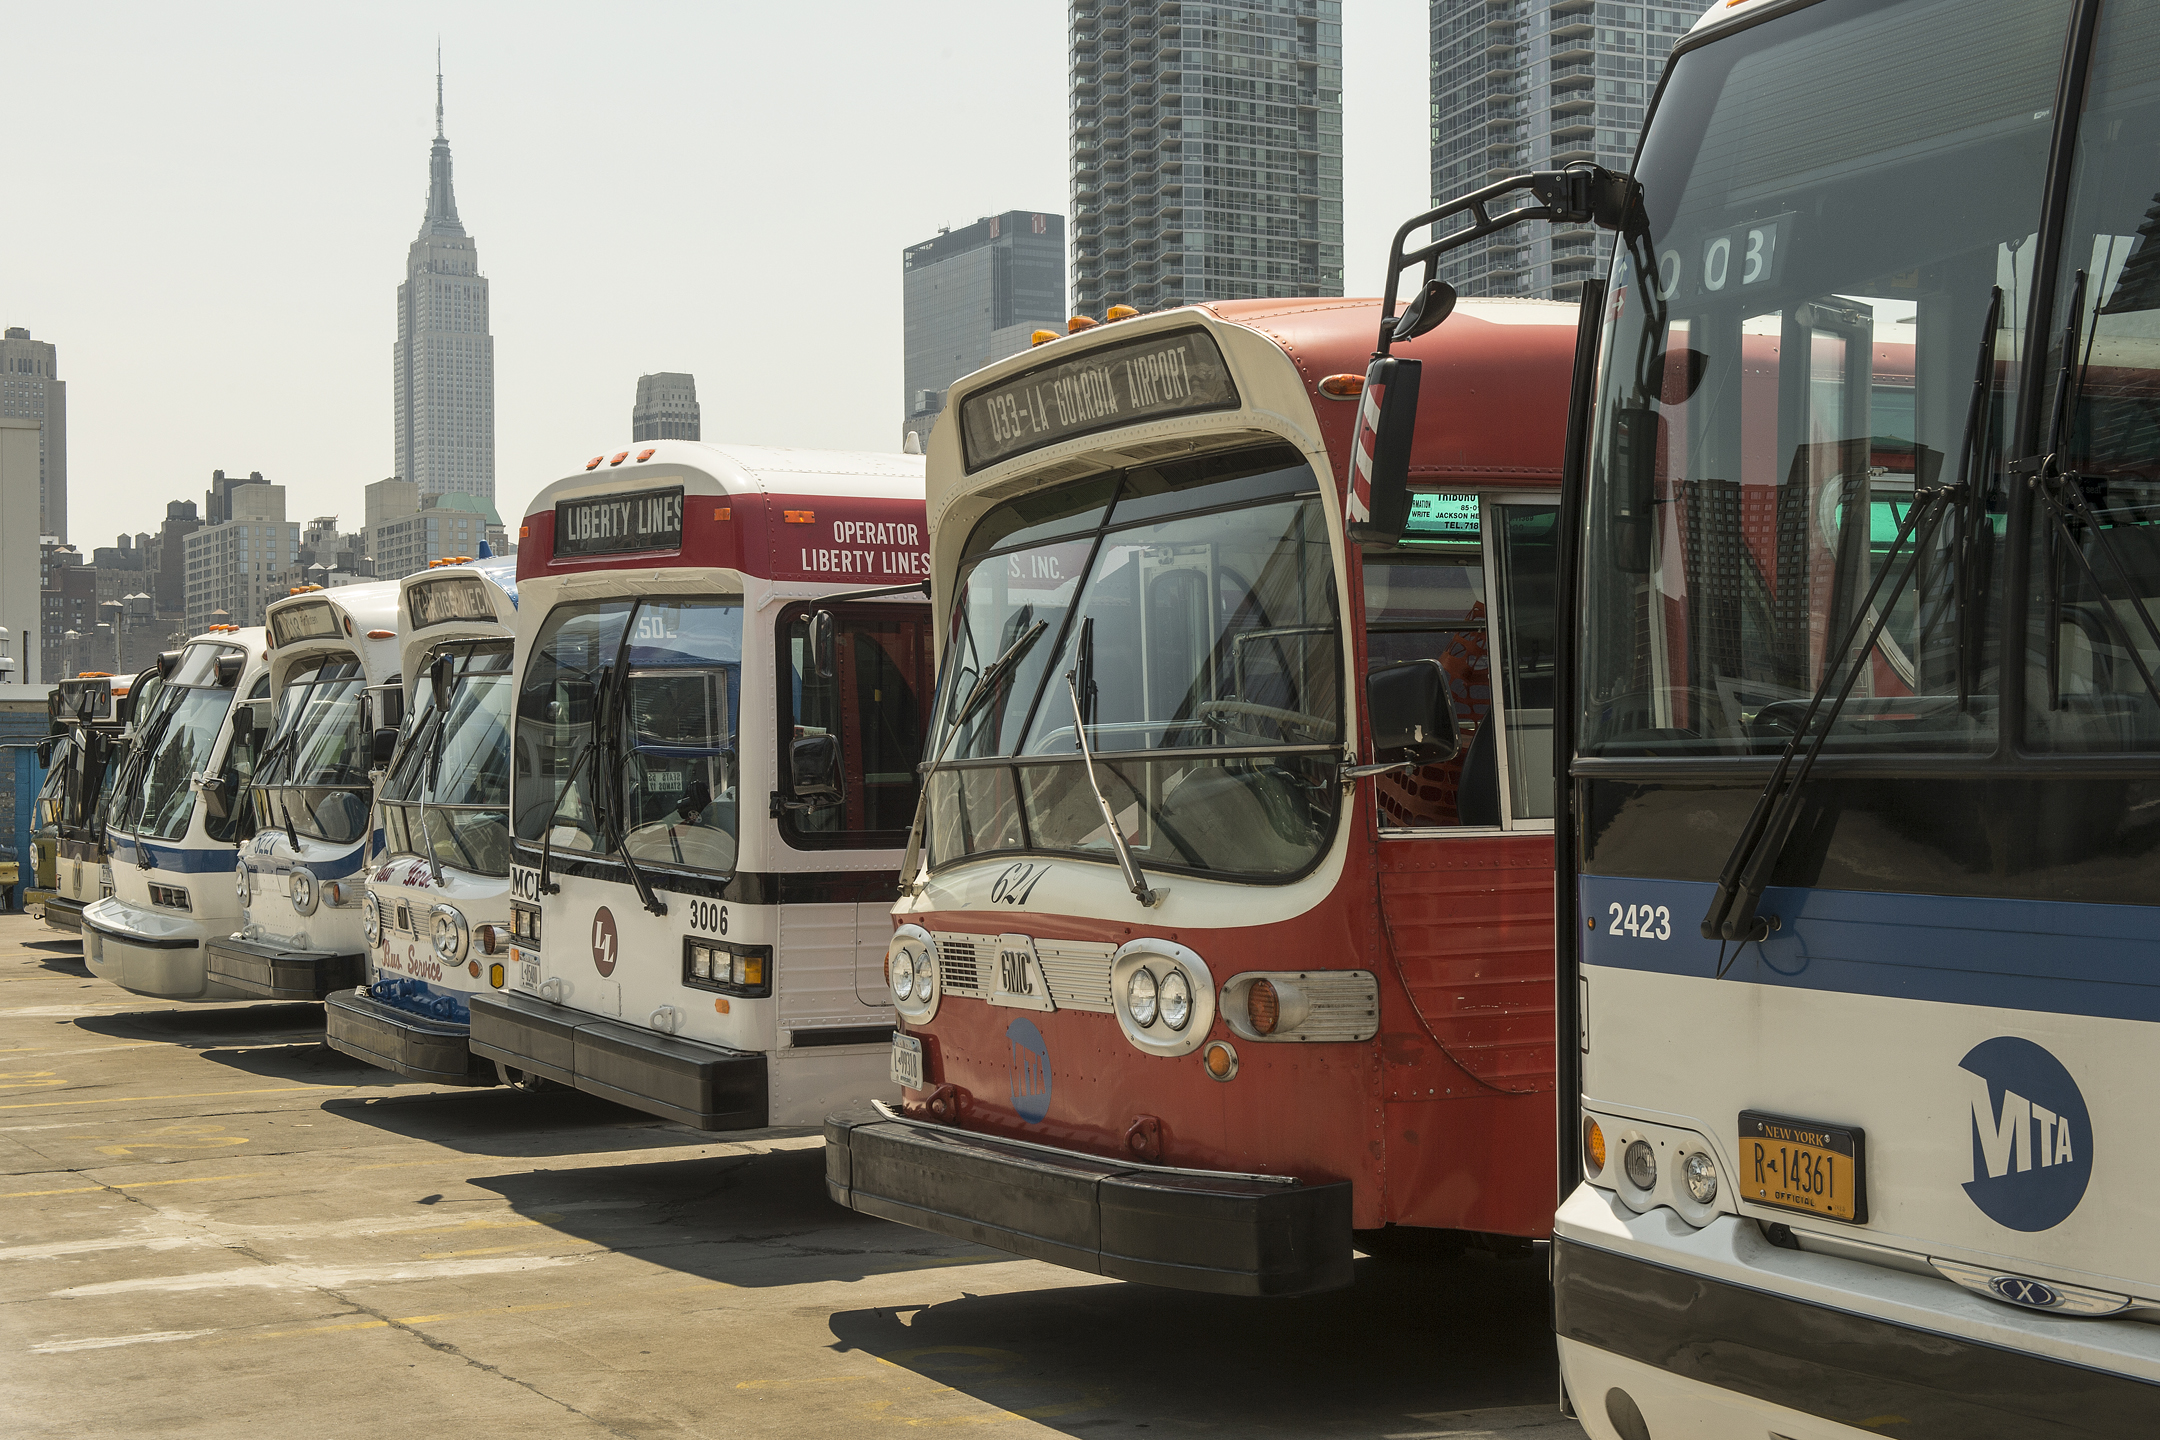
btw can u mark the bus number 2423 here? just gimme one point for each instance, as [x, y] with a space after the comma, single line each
[1644, 922]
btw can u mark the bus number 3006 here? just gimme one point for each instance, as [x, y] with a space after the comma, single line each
[1644, 922]
[708, 916]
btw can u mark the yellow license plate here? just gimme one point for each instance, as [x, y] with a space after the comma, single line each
[1803, 1165]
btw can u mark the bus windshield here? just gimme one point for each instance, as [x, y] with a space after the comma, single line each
[626, 730]
[448, 796]
[1187, 611]
[317, 776]
[187, 731]
[1817, 334]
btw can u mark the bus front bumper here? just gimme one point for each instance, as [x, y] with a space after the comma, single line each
[405, 1044]
[149, 952]
[61, 912]
[275, 972]
[1718, 1332]
[1190, 1230]
[706, 1087]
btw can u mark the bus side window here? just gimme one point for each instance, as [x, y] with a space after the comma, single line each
[877, 701]
[1430, 604]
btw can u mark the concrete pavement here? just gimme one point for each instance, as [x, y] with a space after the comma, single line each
[211, 1224]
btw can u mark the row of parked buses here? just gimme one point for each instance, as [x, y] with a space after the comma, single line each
[1360, 779]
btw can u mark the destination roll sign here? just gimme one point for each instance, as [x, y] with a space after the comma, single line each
[1152, 378]
[606, 524]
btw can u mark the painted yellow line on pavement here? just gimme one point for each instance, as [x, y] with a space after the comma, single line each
[131, 1185]
[497, 1249]
[191, 1095]
[410, 1320]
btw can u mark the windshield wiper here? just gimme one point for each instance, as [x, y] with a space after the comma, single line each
[1732, 915]
[610, 813]
[985, 686]
[547, 835]
[2064, 492]
[1134, 880]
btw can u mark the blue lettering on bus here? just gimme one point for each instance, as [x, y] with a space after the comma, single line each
[1030, 1070]
[2032, 1139]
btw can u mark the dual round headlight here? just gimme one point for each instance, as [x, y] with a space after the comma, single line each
[371, 918]
[1168, 999]
[1699, 1173]
[903, 976]
[451, 933]
[911, 972]
[242, 886]
[304, 898]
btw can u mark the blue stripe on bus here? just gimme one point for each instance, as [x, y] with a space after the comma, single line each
[176, 858]
[2052, 956]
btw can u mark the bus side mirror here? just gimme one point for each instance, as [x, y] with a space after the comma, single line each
[1412, 708]
[1636, 432]
[381, 746]
[814, 769]
[822, 627]
[1425, 311]
[1379, 499]
[228, 669]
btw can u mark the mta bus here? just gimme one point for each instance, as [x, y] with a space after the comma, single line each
[334, 687]
[1224, 942]
[1857, 865]
[436, 915]
[91, 712]
[723, 673]
[178, 816]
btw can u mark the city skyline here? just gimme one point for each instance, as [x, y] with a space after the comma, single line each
[283, 193]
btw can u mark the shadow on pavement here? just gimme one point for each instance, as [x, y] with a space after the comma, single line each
[501, 1120]
[1406, 1340]
[202, 1027]
[751, 1220]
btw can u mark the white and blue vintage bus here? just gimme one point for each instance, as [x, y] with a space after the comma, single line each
[334, 689]
[437, 909]
[723, 673]
[1860, 824]
[177, 818]
[91, 712]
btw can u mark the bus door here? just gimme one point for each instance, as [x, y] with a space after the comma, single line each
[876, 700]
[1465, 847]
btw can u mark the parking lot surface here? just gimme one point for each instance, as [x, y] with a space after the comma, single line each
[212, 1224]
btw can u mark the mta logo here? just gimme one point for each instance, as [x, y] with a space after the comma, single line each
[2032, 1140]
[1030, 1070]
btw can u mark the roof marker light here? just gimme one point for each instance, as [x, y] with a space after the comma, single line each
[620, 456]
[382, 634]
[644, 455]
[723, 512]
[1343, 387]
[524, 532]
[1118, 312]
[594, 463]
[1078, 323]
[799, 517]
[1042, 337]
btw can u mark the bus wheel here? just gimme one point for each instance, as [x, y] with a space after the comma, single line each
[1411, 1244]
[524, 1080]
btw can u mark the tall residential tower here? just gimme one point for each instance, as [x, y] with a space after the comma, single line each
[1538, 85]
[1206, 150]
[974, 295]
[444, 357]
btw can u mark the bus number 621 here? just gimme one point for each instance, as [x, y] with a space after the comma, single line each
[708, 916]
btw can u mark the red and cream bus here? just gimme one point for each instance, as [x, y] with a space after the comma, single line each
[1226, 938]
[723, 674]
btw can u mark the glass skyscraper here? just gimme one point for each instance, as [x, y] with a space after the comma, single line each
[1206, 150]
[1537, 85]
[974, 295]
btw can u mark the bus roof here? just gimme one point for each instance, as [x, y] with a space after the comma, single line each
[847, 516]
[1492, 406]
[445, 602]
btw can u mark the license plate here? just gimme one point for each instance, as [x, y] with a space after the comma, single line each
[907, 1062]
[1804, 1165]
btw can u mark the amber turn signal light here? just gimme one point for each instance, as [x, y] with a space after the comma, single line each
[1263, 1007]
[1593, 1147]
[1343, 387]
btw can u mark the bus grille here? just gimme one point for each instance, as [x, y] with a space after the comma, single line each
[959, 965]
[1077, 971]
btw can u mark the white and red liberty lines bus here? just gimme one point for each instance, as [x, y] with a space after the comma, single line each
[1275, 997]
[723, 673]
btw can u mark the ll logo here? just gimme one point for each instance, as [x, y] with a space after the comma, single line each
[2032, 1138]
[603, 941]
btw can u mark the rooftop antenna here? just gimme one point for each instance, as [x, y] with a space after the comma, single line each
[438, 88]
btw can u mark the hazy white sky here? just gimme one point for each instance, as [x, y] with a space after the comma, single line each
[207, 209]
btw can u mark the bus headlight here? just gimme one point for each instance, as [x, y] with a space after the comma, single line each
[451, 933]
[1175, 994]
[1640, 1162]
[912, 967]
[241, 885]
[1699, 1172]
[1142, 996]
[303, 892]
[371, 918]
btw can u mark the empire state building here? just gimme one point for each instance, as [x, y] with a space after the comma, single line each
[445, 357]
